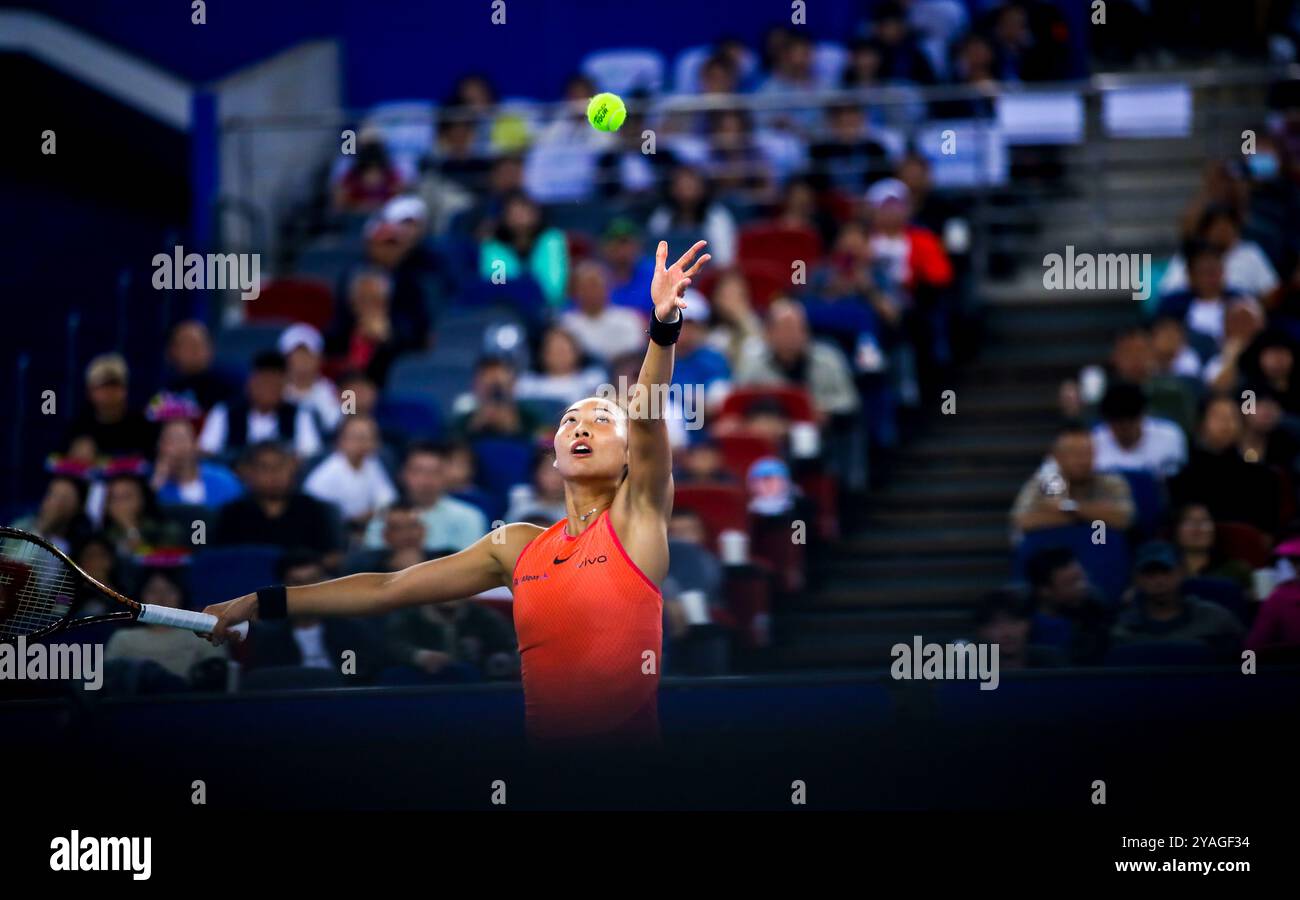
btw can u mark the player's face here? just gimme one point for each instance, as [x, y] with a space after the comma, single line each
[591, 441]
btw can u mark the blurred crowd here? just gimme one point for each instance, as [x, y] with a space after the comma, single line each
[396, 395]
[1163, 523]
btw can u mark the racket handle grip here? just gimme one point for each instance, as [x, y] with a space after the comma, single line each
[187, 619]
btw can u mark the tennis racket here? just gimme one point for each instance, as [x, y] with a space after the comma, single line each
[40, 586]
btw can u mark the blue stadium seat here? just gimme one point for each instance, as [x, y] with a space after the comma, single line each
[236, 346]
[414, 416]
[1223, 591]
[1148, 500]
[1107, 564]
[427, 376]
[220, 573]
[503, 463]
[520, 295]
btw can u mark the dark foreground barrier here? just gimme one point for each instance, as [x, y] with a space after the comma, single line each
[1190, 738]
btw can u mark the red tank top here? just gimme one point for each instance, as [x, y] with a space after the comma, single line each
[590, 627]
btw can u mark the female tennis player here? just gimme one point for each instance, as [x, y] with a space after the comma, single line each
[587, 604]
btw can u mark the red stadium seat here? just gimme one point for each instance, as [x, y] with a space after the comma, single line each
[740, 450]
[767, 281]
[721, 507]
[823, 490]
[781, 245]
[747, 592]
[1243, 541]
[798, 405]
[294, 300]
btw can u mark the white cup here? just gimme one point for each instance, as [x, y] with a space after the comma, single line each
[696, 606]
[805, 440]
[734, 546]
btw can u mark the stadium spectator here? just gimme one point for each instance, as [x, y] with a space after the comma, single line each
[449, 524]
[693, 601]
[131, 518]
[790, 356]
[98, 558]
[792, 80]
[302, 347]
[736, 324]
[1199, 552]
[630, 267]
[913, 256]
[901, 57]
[1217, 476]
[1068, 615]
[352, 477]
[456, 641]
[1269, 361]
[190, 368]
[1265, 437]
[626, 168]
[1067, 490]
[846, 157]
[718, 75]
[314, 643]
[689, 212]
[367, 334]
[111, 425]
[61, 517]
[698, 366]
[862, 69]
[1246, 268]
[798, 208]
[491, 408]
[458, 153]
[973, 66]
[261, 415]
[1277, 624]
[522, 244]
[1223, 185]
[543, 499]
[1003, 618]
[273, 512]
[603, 331]
[848, 303]
[1021, 54]
[402, 542]
[482, 210]
[359, 391]
[1170, 350]
[563, 370]
[1203, 303]
[174, 649]
[738, 169]
[371, 179]
[180, 476]
[701, 462]
[1160, 610]
[1128, 438]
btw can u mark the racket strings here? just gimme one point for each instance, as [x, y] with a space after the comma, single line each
[37, 588]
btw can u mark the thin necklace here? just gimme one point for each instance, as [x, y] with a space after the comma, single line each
[584, 518]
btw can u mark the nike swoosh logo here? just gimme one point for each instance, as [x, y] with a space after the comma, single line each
[557, 560]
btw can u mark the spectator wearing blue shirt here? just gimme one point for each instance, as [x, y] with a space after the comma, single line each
[179, 477]
[630, 267]
[698, 366]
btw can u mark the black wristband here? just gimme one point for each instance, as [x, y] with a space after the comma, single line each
[664, 333]
[272, 602]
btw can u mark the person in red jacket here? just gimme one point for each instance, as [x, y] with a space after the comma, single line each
[911, 262]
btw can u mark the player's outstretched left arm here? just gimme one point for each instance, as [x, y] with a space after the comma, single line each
[650, 463]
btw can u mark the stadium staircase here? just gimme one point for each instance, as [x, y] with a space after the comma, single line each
[936, 534]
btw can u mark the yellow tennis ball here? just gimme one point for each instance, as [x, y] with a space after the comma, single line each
[606, 112]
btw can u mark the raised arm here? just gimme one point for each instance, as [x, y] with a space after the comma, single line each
[485, 564]
[650, 458]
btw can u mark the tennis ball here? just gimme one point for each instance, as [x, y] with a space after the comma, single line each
[606, 112]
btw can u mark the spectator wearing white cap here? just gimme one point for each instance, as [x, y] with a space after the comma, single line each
[302, 347]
